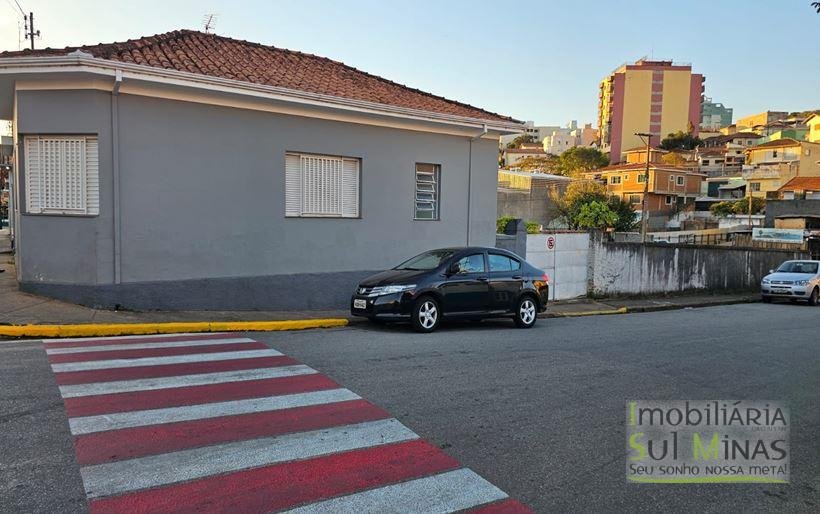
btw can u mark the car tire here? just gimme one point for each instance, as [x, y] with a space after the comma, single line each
[766, 299]
[526, 312]
[814, 299]
[426, 314]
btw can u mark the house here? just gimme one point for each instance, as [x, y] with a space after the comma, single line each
[669, 187]
[770, 165]
[813, 125]
[195, 171]
[510, 156]
[807, 188]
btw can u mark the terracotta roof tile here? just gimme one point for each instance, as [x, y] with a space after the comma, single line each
[802, 184]
[223, 57]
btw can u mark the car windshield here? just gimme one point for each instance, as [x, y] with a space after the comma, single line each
[427, 260]
[798, 267]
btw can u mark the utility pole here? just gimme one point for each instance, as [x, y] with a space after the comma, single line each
[644, 212]
[30, 32]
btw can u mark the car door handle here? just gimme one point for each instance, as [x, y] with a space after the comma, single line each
[483, 279]
[516, 277]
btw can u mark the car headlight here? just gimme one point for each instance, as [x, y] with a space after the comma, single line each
[383, 290]
[801, 282]
[765, 280]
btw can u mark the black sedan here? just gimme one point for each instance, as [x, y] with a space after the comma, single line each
[467, 283]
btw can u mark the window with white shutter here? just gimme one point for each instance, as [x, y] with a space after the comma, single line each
[62, 175]
[427, 191]
[321, 186]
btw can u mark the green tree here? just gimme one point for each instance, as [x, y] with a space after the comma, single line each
[519, 140]
[581, 159]
[627, 217]
[742, 206]
[596, 214]
[680, 140]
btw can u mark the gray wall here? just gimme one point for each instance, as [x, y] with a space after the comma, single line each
[202, 199]
[636, 269]
[775, 208]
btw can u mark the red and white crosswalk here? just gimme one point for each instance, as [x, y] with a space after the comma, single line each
[220, 423]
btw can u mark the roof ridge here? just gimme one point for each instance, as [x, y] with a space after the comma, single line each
[114, 50]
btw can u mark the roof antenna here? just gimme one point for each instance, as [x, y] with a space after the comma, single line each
[209, 22]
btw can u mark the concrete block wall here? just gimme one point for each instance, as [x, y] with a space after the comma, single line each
[635, 269]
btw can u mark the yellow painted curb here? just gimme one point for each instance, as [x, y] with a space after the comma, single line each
[123, 329]
[622, 310]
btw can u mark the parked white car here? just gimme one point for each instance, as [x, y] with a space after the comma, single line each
[795, 280]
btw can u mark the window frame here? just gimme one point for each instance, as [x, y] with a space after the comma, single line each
[613, 181]
[91, 202]
[301, 193]
[668, 200]
[510, 259]
[483, 256]
[436, 191]
[680, 180]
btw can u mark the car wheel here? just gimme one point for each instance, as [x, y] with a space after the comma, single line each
[426, 314]
[526, 312]
[766, 299]
[813, 299]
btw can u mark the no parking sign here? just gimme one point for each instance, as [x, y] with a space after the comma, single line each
[550, 242]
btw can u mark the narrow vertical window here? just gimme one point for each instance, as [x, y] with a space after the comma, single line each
[428, 180]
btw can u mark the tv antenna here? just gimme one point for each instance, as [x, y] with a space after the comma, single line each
[209, 22]
[29, 25]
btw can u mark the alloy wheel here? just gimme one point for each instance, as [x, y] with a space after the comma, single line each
[428, 314]
[527, 311]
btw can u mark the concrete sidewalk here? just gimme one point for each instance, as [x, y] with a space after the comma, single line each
[18, 308]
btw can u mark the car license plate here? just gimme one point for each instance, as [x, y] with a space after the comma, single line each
[359, 304]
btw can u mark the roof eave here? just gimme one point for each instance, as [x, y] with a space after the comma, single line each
[88, 64]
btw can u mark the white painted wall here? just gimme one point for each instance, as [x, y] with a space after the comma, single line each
[566, 265]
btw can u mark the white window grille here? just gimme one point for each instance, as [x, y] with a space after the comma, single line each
[321, 186]
[428, 180]
[62, 175]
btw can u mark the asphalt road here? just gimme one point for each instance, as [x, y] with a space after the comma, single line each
[539, 412]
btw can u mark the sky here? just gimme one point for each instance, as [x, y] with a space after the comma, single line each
[539, 61]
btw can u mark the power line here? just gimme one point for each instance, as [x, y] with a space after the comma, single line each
[20, 7]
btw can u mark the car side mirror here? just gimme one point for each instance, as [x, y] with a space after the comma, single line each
[771, 271]
[453, 269]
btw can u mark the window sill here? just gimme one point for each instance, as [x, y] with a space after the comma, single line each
[61, 214]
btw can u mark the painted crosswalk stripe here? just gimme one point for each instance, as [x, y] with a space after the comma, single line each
[145, 346]
[158, 383]
[508, 506]
[169, 370]
[208, 393]
[445, 492]
[129, 443]
[153, 352]
[103, 422]
[86, 341]
[161, 361]
[129, 475]
[286, 485]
